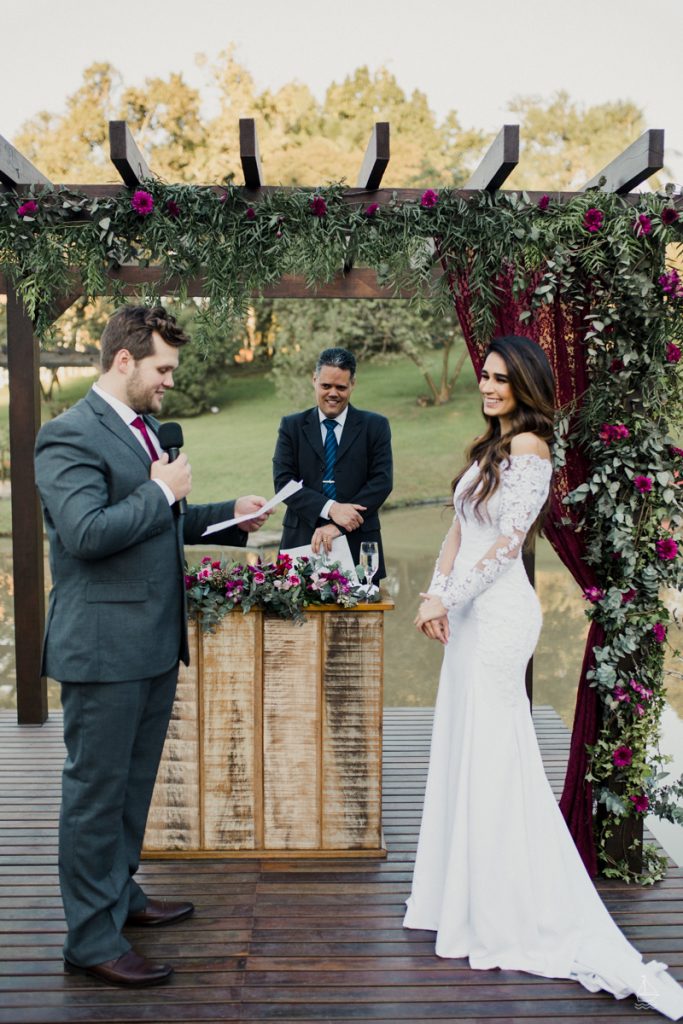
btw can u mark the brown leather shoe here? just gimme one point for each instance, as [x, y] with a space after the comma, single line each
[131, 969]
[159, 912]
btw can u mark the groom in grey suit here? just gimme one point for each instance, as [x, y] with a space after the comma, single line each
[116, 630]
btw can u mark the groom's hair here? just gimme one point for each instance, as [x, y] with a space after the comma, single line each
[131, 327]
[340, 358]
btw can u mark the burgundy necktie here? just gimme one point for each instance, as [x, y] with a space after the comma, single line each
[139, 424]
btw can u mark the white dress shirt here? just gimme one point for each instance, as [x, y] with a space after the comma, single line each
[128, 415]
[338, 428]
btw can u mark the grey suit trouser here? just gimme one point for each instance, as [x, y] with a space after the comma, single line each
[114, 735]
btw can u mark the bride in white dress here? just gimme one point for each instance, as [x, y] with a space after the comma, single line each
[497, 875]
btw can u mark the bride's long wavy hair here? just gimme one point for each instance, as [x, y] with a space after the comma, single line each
[531, 381]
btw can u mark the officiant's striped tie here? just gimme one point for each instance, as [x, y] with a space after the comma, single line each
[331, 446]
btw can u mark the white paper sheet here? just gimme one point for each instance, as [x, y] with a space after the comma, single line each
[341, 552]
[285, 492]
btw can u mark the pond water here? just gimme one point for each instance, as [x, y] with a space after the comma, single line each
[412, 539]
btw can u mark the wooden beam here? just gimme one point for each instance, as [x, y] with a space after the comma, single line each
[125, 155]
[643, 158]
[376, 157]
[498, 162]
[249, 153]
[16, 170]
[27, 521]
[54, 358]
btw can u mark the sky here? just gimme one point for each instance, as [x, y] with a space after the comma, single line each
[473, 58]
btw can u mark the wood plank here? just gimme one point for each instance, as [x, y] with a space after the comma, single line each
[376, 158]
[16, 170]
[641, 160]
[125, 155]
[498, 162]
[250, 156]
[291, 743]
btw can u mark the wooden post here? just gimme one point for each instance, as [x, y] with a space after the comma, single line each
[498, 162]
[23, 360]
[125, 155]
[376, 157]
[643, 158]
[249, 154]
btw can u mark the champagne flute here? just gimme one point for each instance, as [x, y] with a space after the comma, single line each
[369, 560]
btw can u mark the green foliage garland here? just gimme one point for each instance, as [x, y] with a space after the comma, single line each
[593, 245]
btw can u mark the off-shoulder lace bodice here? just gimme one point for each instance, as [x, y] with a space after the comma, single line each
[490, 548]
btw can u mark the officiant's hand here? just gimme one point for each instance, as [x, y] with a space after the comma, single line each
[346, 515]
[323, 537]
[251, 503]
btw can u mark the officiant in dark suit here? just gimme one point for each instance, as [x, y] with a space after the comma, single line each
[116, 630]
[343, 455]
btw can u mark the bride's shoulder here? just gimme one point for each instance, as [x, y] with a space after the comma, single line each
[529, 444]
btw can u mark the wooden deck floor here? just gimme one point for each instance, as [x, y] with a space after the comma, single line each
[295, 941]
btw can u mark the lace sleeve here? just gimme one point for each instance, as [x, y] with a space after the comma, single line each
[524, 488]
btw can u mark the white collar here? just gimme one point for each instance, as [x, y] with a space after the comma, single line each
[339, 421]
[125, 412]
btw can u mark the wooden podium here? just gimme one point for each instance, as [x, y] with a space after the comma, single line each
[275, 743]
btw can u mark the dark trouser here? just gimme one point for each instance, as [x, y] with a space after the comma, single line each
[114, 735]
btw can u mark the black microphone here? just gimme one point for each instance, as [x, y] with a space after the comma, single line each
[171, 440]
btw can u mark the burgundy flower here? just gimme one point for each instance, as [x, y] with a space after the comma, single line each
[669, 215]
[673, 353]
[429, 199]
[642, 225]
[659, 632]
[206, 559]
[643, 484]
[189, 580]
[544, 202]
[667, 549]
[613, 432]
[318, 206]
[676, 451]
[671, 284]
[640, 802]
[622, 757]
[142, 202]
[593, 594]
[616, 365]
[250, 213]
[28, 209]
[592, 220]
[371, 210]
[216, 565]
[172, 209]
[629, 595]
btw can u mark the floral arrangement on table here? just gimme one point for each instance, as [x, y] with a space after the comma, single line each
[285, 587]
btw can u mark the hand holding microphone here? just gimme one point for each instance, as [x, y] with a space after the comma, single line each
[173, 468]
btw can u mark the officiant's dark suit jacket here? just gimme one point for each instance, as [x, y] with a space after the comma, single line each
[363, 474]
[117, 608]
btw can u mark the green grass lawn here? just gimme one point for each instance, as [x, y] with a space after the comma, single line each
[231, 451]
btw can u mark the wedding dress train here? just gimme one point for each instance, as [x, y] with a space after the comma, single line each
[497, 874]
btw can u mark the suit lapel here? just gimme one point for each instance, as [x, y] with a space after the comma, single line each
[113, 422]
[352, 428]
[312, 433]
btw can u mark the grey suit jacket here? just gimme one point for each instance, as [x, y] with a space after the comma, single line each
[117, 607]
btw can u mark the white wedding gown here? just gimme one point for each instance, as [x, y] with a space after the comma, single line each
[497, 874]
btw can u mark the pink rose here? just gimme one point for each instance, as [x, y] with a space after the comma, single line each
[28, 209]
[259, 577]
[318, 206]
[429, 199]
[622, 757]
[142, 202]
[667, 549]
[669, 215]
[294, 580]
[673, 353]
[640, 802]
[642, 225]
[659, 632]
[643, 484]
[592, 220]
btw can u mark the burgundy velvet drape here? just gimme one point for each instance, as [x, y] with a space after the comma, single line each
[558, 329]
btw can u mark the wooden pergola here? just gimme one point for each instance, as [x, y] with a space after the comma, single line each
[632, 167]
